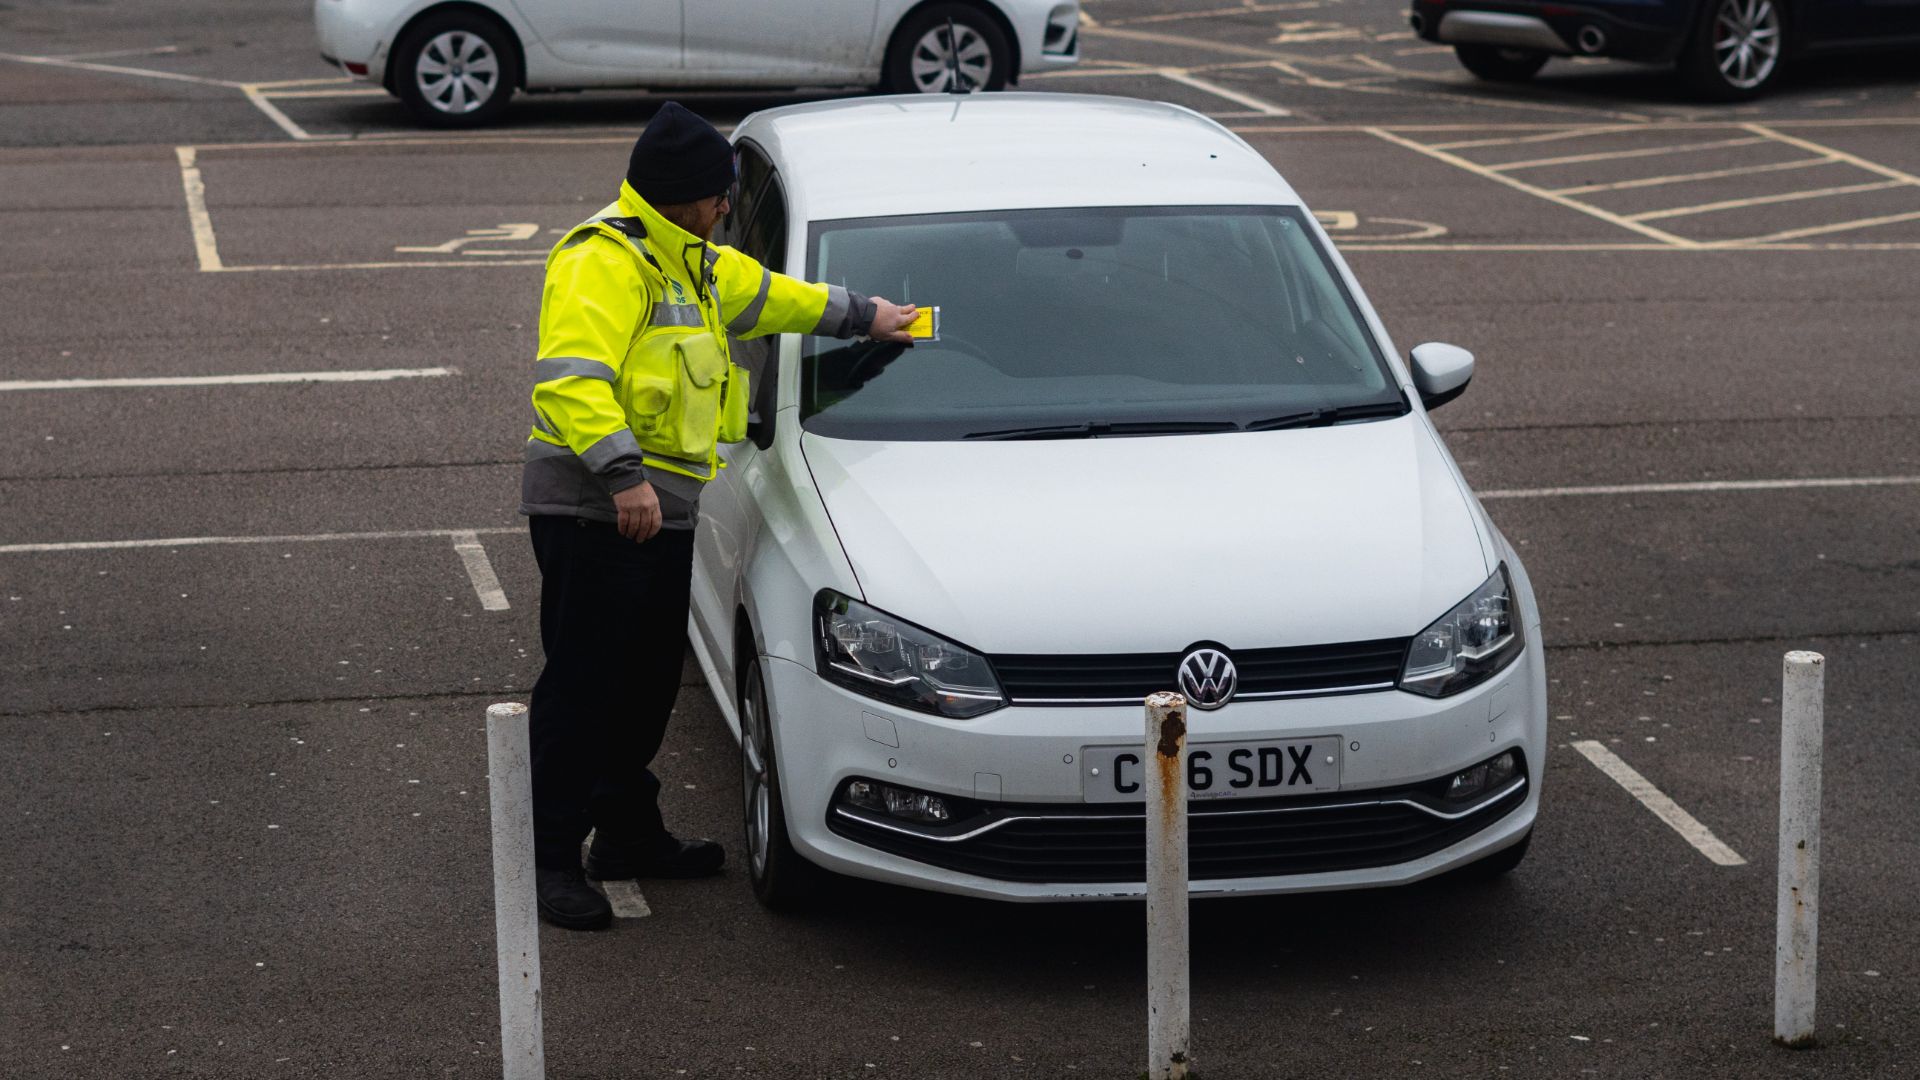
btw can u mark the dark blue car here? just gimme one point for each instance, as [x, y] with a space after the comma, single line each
[1726, 50]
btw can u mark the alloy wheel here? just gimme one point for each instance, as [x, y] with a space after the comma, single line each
[1746, 41]
[755, 783]
[930, 61]
[457, 72]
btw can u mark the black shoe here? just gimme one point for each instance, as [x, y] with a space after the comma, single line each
[665, 857]
[567, 901]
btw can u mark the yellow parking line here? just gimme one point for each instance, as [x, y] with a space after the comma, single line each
[1645, 151]
[1576, 133]
[1821, 230]
[1763, 200]
[1520, 185]
[1839, 155]
[1681, 178]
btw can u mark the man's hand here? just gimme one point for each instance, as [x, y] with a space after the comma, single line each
[890, 321]
[639, 512]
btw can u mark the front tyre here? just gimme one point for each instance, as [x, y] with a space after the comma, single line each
[455, 70]
[1495, 64]
[1734, 53]
[918, 60]
[782, 879]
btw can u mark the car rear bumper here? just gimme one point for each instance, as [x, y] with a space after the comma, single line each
[350, 33]
[1557, 29]
[1381, 827]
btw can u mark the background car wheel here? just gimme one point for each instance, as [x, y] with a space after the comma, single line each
[917, 58]
[1501, 862]
[1495, 64]
[1734, 53]
[782, 879]
[455, 70]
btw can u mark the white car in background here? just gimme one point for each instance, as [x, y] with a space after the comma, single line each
[1162, 441]
[458, 63]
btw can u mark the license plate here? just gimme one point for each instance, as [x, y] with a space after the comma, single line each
[1218, 770]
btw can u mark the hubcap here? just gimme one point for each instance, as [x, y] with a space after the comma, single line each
[929, 65]
[457, 72]
[1746, 41]
[753, 774]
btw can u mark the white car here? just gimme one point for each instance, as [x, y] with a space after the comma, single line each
[1161, 442]
[458, 63]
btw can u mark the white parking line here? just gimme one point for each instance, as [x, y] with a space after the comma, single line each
[204, 245]
[1684, 178]
[626, 899]
[1663, 808]
[263, 378]
[1764, 200]
[214, 541]
[1265, 108]
[1521, 185]
[486, 585]
[1638, 152]
[282, 120]
[116, 69]
[1702, 485]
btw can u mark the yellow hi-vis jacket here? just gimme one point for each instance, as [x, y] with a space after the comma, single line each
[634, 371]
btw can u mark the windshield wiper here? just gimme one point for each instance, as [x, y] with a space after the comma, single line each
[1094, 429]
[1334, 415]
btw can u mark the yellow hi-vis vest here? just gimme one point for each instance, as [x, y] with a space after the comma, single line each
[634, 371]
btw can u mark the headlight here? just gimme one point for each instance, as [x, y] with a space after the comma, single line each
[873, 653]
[1467, 645]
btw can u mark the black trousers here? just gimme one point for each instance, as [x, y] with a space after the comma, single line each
[613, 622]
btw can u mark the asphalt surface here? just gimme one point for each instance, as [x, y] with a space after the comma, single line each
[244, 823]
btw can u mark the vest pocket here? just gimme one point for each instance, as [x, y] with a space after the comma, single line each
[733, 405]
[674, 393]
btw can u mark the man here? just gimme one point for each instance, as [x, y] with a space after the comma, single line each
[633, 391]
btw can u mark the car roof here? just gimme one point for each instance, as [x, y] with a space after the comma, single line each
[929, 154]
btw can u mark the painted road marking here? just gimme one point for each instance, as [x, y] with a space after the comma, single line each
[1702, 486]
[1822, 230]
[486, 585]
[1638, 152]
[204, 246]
[1854, 160]
[261, 379]
[1686, 178]
[1663, 808]
[218, 541]
[1265, 108]
[1765, 200]
[1521, 185]
[116, 69]
[626, 899]
[1549, 136]
[282, 120]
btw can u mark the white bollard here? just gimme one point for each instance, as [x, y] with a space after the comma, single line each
[1797, 923]
[1169, 1019]
[516, 915]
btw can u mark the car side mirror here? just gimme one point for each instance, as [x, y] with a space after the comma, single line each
[1440, 372]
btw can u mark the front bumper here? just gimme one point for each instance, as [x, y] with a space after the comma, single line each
[1022, 763]
[1550, 28]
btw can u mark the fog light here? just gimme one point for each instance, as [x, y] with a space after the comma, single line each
[1501, 769]
[1466, 785]
[916, 806]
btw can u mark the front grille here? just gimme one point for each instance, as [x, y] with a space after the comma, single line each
[1110, 678]
[1225, 839]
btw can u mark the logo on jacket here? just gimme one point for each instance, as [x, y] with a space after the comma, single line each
[1208, 678]
[679, 291]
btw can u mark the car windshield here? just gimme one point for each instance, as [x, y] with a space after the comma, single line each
[1093, 321]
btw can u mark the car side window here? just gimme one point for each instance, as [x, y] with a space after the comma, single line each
[759, 230]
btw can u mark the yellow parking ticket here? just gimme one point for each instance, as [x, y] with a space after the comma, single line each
[925, 325]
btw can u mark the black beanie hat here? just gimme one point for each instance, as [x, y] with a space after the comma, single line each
[679, 158]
